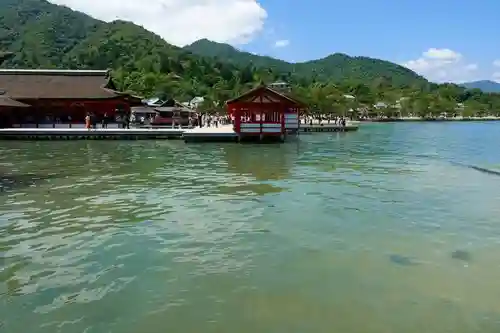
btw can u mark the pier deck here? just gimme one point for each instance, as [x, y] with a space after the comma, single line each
[351, 126]
[221, 133]
[83, 133]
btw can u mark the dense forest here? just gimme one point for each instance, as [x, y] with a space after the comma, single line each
[42, 35]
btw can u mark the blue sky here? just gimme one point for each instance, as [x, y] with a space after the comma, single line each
[398, 31]
[444, 40]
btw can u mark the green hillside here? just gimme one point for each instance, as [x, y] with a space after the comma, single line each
[38, 34]
[228, 53]
[337, 67]
[43, 35]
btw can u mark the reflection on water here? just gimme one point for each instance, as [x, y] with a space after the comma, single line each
[375, 231]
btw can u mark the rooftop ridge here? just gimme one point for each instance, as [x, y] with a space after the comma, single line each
[63, 72]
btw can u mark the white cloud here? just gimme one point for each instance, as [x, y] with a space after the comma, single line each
[471, 67]
[442, 54]
[282, 43]
[182, 22]
[443, 65]
[496, 77]
[496, 63]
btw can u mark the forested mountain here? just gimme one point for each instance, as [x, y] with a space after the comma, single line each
[336, 67]
[38, 34]
[43, 35]
[486, 86]
[228, 53]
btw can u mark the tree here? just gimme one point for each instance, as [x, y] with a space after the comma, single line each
[40, 34]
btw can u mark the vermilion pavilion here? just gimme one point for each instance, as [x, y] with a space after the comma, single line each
[264, 112]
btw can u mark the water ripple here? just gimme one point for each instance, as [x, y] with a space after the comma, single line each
[155, 236]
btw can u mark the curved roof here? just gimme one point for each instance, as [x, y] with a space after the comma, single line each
[265, 90]
[57, 84]
[9, 102]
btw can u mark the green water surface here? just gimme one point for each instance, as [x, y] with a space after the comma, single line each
[327, 233]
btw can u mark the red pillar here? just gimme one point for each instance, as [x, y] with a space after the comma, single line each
[237, 120]
[261, 113]
[282, 115]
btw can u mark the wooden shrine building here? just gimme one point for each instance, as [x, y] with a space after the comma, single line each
[60, 98]
[8, 106]
[264, 112]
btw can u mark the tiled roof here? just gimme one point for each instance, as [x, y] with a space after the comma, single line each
[262, 89]
[143, 109]
[173, 108]
[8, 102]
[21, 84]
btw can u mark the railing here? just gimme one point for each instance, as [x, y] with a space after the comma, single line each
[291, 121]
[63, 125]
[261, 128]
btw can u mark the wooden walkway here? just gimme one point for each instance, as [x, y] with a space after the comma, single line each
[221, 133]
[92, 134]
[351, 126]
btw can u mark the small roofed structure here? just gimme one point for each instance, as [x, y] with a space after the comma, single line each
[163, 113]
[63, 96]
[264, 112]
[174, 115]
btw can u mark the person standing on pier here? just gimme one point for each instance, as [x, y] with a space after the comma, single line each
[87, 121]
[200, 120]
[127, 121]
[105, 120]
[93, 120]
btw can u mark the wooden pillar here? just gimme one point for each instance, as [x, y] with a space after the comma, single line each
[282, 115]
[261, 114]
[237, 120]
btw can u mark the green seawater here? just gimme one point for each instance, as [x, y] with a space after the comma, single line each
[332, 232]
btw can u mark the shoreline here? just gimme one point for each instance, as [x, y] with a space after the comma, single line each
[417, 119]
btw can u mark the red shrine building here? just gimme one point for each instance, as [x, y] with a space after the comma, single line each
[264, 112]
[59, 98]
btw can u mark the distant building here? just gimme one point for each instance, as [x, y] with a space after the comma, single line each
[380, 105]
[399, 102]
[196, 102]
[154, 101]
[165, 112]
[280, 86]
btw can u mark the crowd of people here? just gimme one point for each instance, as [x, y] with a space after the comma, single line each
[324, 119]
[91, 120]
[206, 120]
[194, 120]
